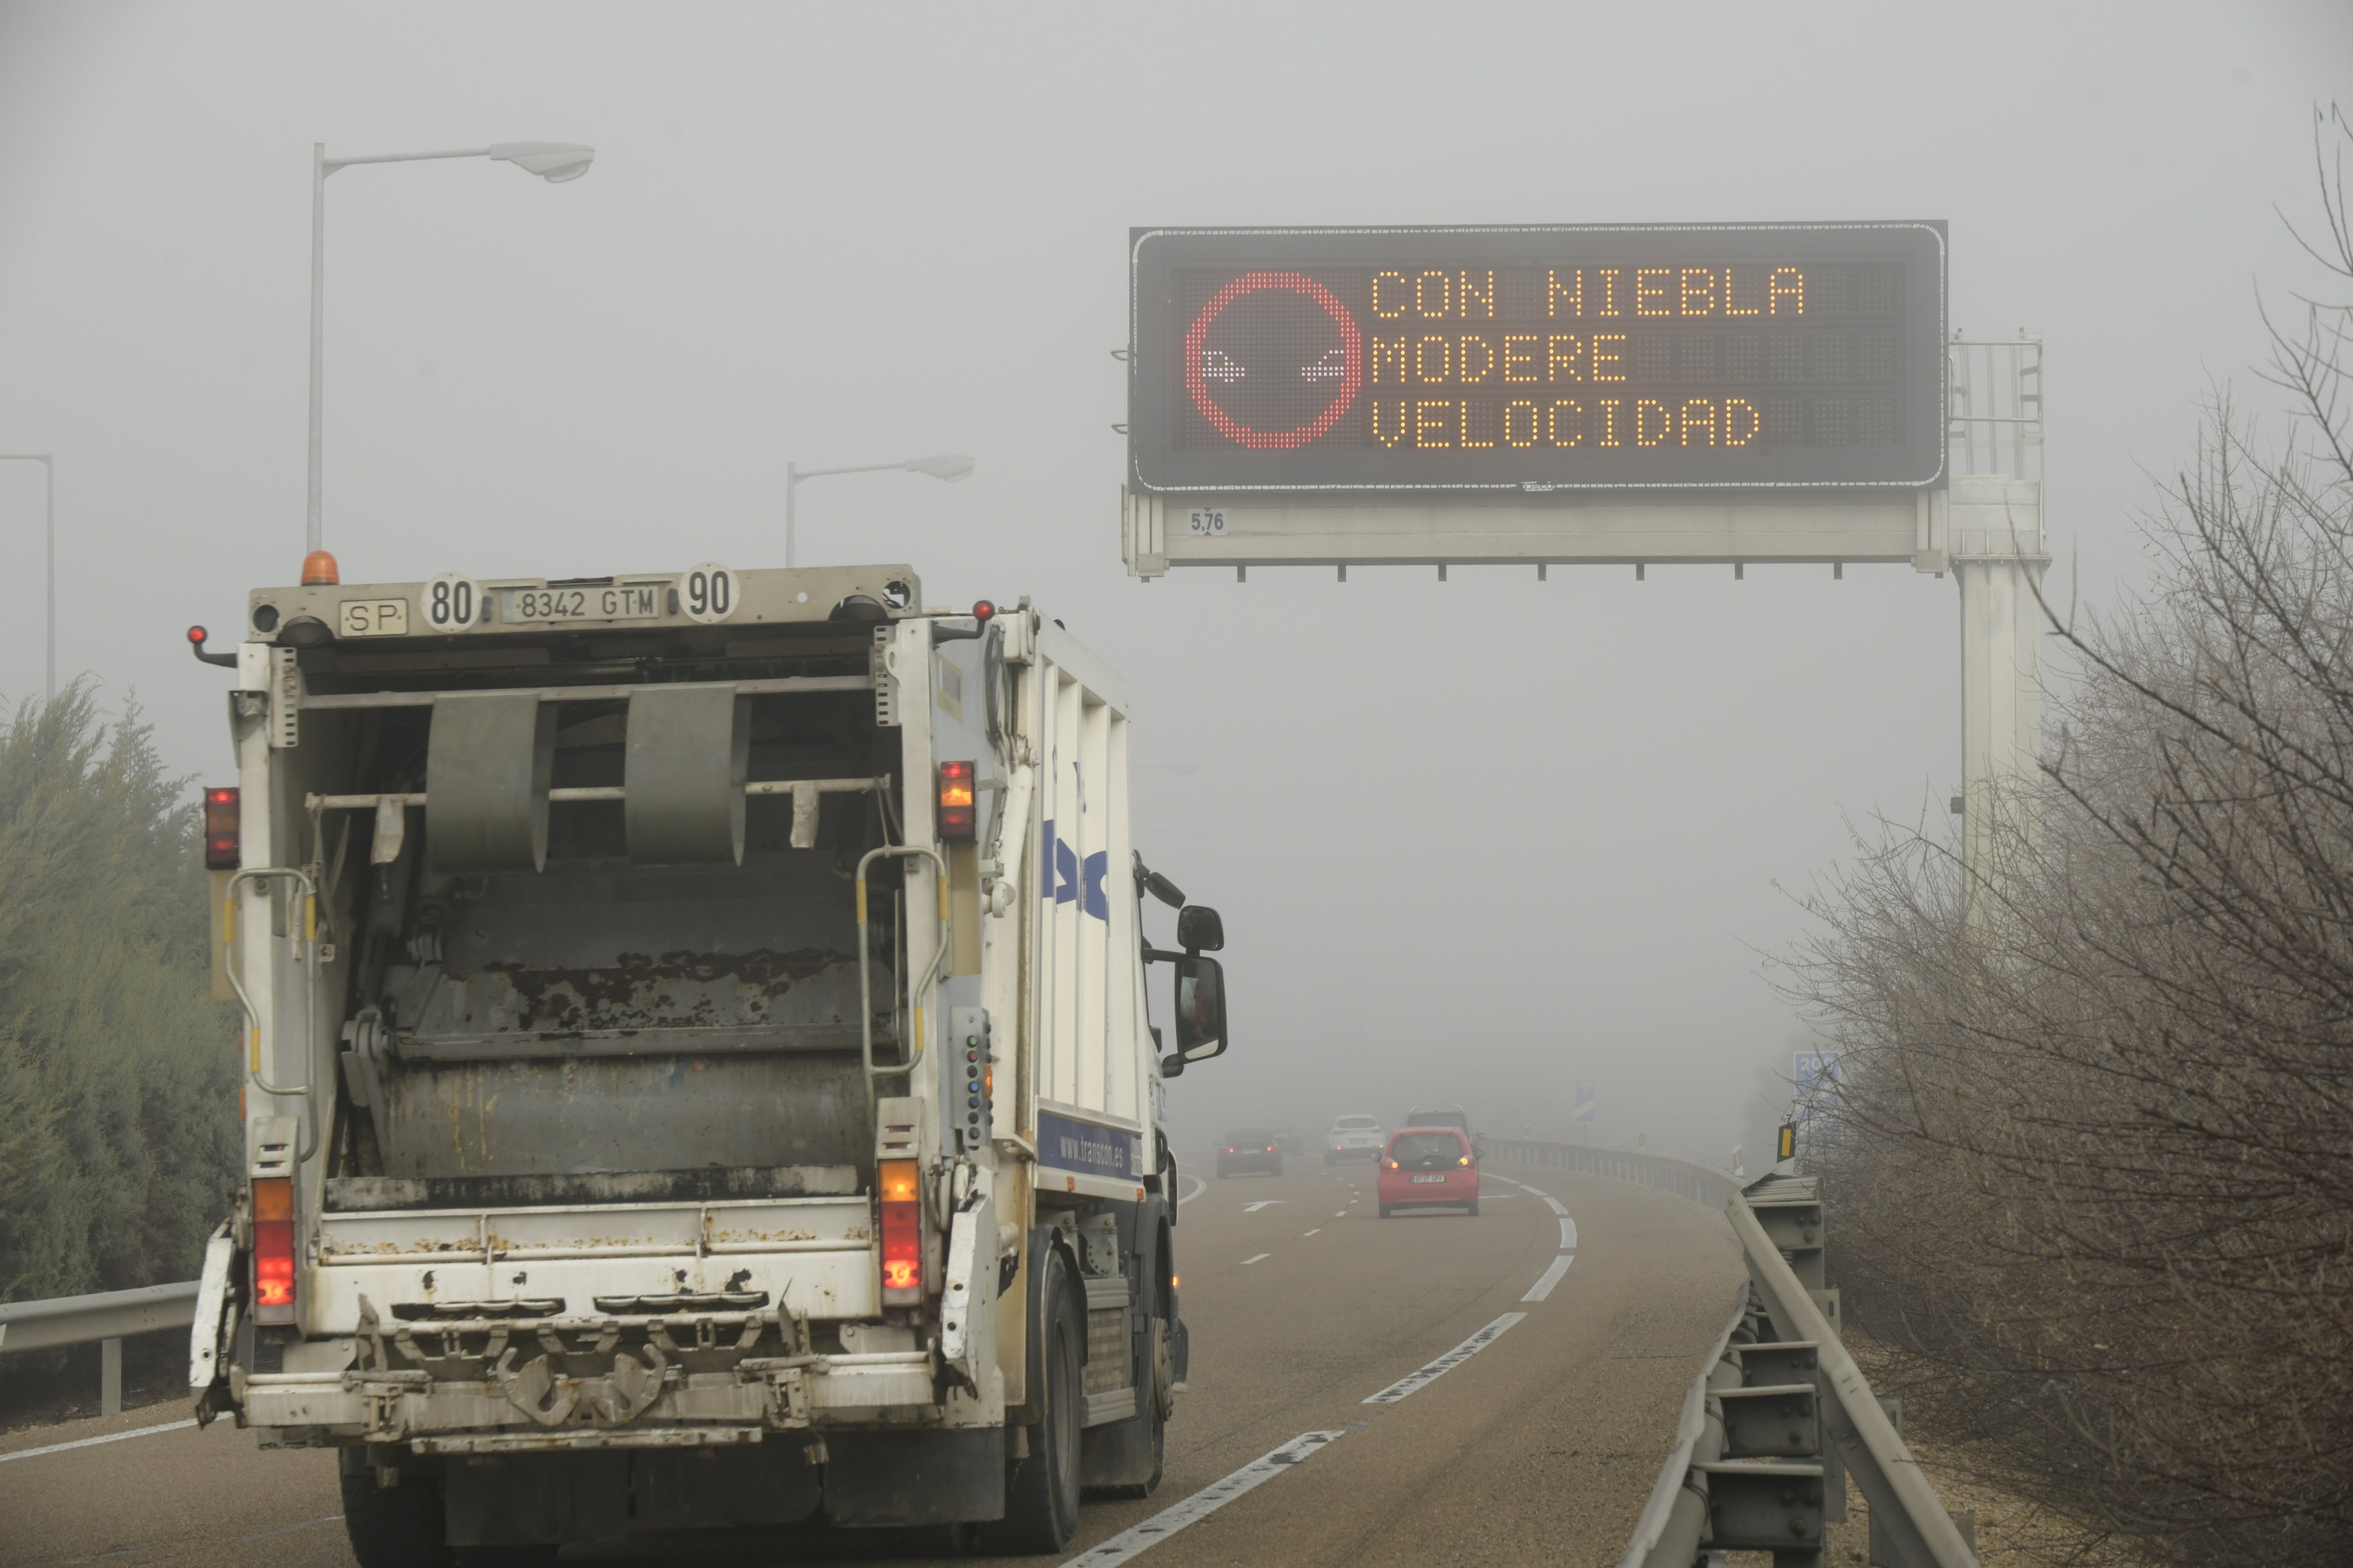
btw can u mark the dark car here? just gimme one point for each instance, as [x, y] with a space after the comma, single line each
[1290, 1141]
[1252, 1148]
[1452, 1116]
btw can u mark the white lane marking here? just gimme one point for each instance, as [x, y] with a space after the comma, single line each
[1341, 1214]
[1142, 1537]
[1554, 1204]
[1568, 1234]
[290, 1528]
[93, 1442]
[1416, 1380]
[1549, 1277]
[1199, 1186]
[1263, 1203]
[1317, 1231]
[1259, 1258]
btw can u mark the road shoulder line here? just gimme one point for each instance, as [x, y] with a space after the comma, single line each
[1139, 1538]
[1416, 1380]
[93, 1442]
[1549, 1277]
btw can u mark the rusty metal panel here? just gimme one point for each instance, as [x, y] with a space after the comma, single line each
[657, 1111]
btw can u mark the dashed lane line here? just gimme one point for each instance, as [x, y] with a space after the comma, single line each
[1199, 1186]
[1553, 1204]
[1142, 1537]
[1317, 1231]
[1568, 1234]
[93, 1442]
[1259, 1258]
[1414, 1381]
[1549, 1277]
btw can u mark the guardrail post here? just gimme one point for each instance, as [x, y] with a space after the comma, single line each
[110, 1378]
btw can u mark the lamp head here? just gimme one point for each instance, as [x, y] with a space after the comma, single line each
[554, 162]
[950, 469]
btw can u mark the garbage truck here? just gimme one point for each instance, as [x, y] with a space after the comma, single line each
[699, 1068]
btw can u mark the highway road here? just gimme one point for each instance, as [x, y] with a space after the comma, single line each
[1431, 1388]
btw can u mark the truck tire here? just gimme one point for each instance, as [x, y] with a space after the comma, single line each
[393, 1526]
[1041, 1496]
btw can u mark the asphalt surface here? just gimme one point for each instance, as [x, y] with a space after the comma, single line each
[1324, 1336]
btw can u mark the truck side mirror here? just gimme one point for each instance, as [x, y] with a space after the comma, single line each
[1199, 929]
[1201, 1009]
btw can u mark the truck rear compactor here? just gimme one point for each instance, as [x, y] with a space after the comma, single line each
[698, 1070]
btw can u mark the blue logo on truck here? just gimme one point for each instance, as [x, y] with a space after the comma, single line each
[1070, 1145]
[1062, 876]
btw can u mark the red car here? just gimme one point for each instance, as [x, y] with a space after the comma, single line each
[1427, 1167]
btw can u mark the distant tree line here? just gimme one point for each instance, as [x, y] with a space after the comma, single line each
[118, 1127]
[2096, 1166]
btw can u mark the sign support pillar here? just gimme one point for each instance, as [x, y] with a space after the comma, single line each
[1998, 553]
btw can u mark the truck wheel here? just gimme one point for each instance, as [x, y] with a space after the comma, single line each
[1041, 1498]
[393, 1526]
[1385, 1211]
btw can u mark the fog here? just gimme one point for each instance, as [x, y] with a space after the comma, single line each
[1473, 841]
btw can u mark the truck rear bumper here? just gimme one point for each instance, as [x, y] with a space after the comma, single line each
[813, 1258]
[539, 1410]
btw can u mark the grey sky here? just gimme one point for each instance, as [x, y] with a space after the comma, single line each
[1473, 840]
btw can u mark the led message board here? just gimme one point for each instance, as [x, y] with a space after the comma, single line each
[1575, 357]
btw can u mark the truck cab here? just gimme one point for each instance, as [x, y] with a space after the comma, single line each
[699, 1062]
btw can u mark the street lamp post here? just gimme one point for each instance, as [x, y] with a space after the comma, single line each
[950, 469]
[554, 162]
[48, 550]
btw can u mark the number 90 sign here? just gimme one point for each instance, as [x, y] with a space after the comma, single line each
[707, 592]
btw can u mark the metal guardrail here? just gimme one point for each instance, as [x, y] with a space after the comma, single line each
[1780, 1416]
[1702, 1183]
[105, 1318]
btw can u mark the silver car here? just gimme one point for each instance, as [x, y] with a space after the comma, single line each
[1354, 1137]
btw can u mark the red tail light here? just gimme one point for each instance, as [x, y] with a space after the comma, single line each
[903, 1234]
[1269, 1148]
[273, 1250]
[956, 800]
[220, 829]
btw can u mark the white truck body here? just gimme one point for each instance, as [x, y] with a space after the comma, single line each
[653, 1069]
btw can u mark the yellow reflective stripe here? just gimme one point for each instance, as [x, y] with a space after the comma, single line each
[861, 900]
[256, 1055]
[310, 920]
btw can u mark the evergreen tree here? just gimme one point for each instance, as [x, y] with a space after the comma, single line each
[119, 1132]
